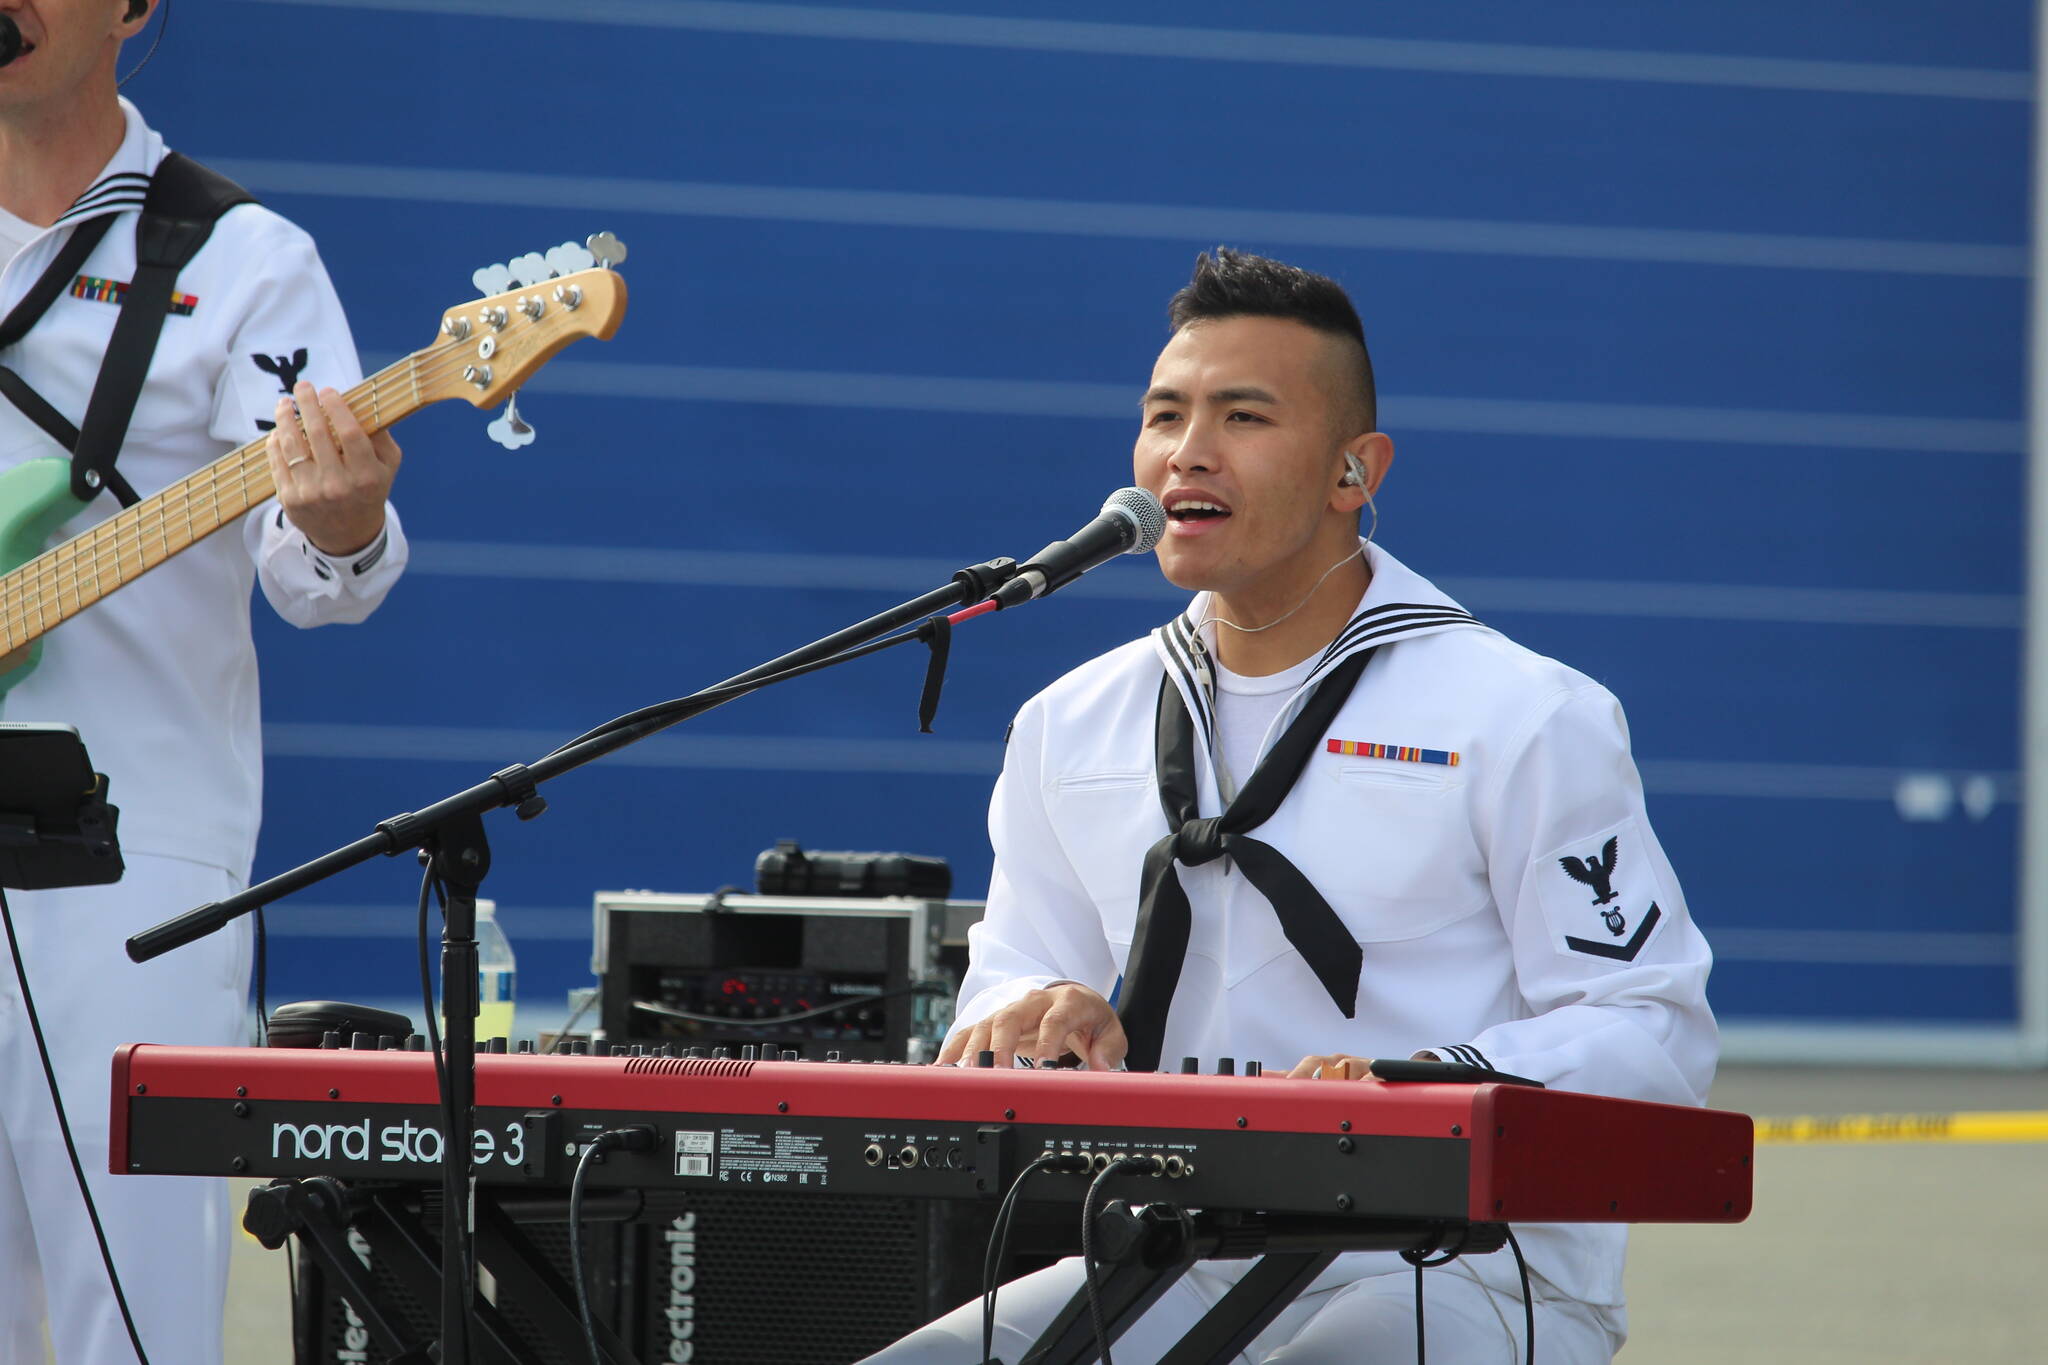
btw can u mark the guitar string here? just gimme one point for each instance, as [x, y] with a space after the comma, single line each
[146, 529]
[183, 496]
[248, 465]
[71, 565]
[223, 490]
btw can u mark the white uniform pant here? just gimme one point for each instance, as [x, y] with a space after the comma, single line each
[168, 1234]
[1370, 1321]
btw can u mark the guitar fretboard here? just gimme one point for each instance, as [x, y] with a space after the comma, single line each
[58, 584]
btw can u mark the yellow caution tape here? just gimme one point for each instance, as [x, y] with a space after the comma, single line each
[2010, 1126]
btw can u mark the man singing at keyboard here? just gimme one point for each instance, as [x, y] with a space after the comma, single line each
[1325, 814]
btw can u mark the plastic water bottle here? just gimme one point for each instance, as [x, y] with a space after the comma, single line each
[496, 975]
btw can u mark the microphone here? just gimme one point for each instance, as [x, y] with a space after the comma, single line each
[1130, 523]
[10, 39]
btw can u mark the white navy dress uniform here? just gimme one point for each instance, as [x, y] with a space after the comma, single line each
[1474, 816]
[160, 680]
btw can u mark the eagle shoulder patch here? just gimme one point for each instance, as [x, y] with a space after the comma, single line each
[1601, 894]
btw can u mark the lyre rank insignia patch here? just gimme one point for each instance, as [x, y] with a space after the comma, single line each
[1600, 894]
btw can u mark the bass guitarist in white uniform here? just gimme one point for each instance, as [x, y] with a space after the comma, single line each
[160, 677]
[1325, 815]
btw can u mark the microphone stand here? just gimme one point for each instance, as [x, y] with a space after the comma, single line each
[450, 835]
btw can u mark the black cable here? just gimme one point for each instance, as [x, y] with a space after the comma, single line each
[610, 1140]
[161, 30]
[1116, 1167]
[1421, 1339]
[35, 1024]
[1528, 1301]
[851, 1002]
[456, 1142]
[262, 974]
[291, 1277]
[427, 1002]
[1421, 1260]
[590, 1154]
[998, 1251]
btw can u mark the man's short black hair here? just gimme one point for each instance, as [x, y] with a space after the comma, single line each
[1237, 284]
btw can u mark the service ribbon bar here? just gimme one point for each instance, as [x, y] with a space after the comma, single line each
[1400, 753]
[112, 291]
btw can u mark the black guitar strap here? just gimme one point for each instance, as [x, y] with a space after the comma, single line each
[30, 310]
[185, 200]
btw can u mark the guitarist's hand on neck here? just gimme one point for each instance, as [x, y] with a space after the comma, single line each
[332, 477]
[60, 121]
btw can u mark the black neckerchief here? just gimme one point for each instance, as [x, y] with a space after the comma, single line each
[1160, 943]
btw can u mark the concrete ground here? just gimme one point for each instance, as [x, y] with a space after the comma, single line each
[1862, 1252]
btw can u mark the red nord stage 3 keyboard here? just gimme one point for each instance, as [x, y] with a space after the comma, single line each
[1483, 1153]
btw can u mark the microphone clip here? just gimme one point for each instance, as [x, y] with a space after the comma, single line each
[978, 581]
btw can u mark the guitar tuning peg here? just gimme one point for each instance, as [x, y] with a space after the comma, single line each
[568, 258]
[510, 430]
[492, 279]
[531, 268]
[607, 250]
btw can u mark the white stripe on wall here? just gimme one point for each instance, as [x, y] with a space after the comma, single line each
[925, 754]
[1401, 412]
[932, 755]
[1859, 948]
[1122, 580]
[1198, 225]
[1863, 947]
[1173, 43]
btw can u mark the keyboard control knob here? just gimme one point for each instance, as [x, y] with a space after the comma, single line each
[1191, 1066]
[1226, 1066]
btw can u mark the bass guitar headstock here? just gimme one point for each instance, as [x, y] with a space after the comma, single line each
[533, 306]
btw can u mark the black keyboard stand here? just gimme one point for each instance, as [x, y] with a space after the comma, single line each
[1143, 1251]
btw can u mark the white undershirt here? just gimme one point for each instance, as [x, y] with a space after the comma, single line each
[15, 233]
[1245, 708]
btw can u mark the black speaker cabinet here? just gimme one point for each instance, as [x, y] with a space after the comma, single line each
[754, 1279]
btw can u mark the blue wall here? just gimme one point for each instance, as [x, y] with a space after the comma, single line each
[1699, 329]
